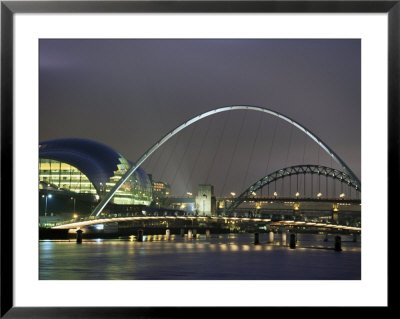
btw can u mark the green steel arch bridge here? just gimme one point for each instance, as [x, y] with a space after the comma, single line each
[287, 173]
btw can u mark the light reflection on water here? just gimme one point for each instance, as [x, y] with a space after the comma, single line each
[231, 256]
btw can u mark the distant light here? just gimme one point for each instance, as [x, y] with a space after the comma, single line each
[342, 195]
[99, 227]
[189, 193]
[75, 216]
[297, 194]
[253, 193]
[49, 196]
[233, 194]
[275, 194]
[319, 194]
[97, 196]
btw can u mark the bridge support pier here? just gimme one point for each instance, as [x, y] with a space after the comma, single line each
[355, 237]
[140, 235]
[271, 237]
[190, 234]
[182, 232]
[338, 243]
[207, 233]
[292, 243]
[326, 236]
[168, 234]
[194, 233]
[256, 239]
[79, 236]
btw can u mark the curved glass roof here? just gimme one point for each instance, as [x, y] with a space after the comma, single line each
[97, 161]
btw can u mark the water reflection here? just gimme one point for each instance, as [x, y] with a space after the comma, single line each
[228, 256]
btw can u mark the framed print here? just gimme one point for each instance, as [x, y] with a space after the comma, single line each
[163, 155]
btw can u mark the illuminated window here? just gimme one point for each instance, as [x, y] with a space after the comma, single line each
[136, 190]
[65, 176]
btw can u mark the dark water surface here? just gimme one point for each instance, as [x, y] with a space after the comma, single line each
[230, 256]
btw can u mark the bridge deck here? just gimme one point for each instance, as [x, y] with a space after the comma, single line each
[96, 221]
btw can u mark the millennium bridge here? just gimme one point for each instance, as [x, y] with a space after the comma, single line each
[228, 208]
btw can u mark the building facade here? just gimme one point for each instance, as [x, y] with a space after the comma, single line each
[161, 189]
[87, 167]
[205, 200]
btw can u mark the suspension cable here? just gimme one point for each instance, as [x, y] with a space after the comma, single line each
[270, 150]
[177, 140]
[158, 160]
[290, 143]
[184, 154]
[234, 152]
[218, 147]
[251, 154]
[199, 152]
[305, 146]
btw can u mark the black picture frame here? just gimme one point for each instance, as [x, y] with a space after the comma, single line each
[9, 8]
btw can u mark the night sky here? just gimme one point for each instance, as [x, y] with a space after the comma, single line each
[128, 94]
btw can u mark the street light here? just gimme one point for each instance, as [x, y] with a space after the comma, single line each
[275, 194]
[233, 194]
[45, 207]
[74, 199]
[342, 195]
[297, 194]
[319, 194]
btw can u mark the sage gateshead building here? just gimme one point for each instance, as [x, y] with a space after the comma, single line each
[81, 166]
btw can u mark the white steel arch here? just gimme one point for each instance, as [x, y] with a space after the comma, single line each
[140, 161]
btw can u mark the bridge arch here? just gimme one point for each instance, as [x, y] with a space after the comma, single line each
[140, 161]
[294, 170]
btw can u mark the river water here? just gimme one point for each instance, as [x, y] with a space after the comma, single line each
[221, 257]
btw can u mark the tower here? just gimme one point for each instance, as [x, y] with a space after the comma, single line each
[205, 200]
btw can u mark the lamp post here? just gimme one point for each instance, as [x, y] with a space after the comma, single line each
[45, 207]
[74, 199]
